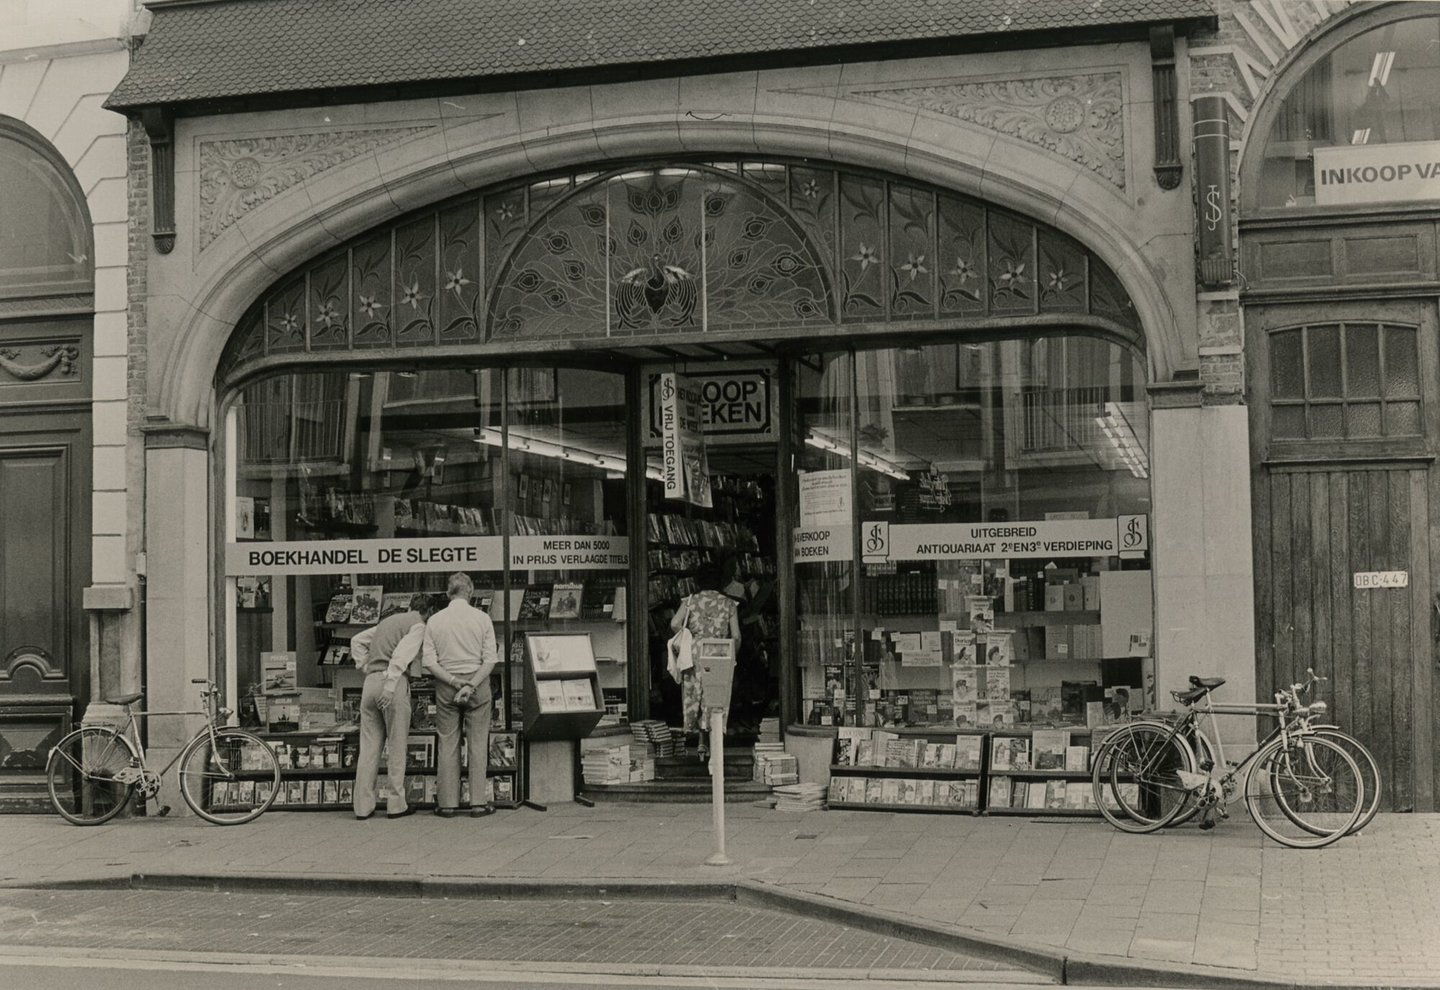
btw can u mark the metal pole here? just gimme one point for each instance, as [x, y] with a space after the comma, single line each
[717, 786]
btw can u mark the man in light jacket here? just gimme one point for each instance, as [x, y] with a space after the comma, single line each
[387, 652]
[459, 652]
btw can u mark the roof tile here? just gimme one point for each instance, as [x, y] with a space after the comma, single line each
[236, 48]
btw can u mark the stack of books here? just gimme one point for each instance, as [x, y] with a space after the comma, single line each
[654, 733]
[774, 766]
[630, 763]
[799, 797]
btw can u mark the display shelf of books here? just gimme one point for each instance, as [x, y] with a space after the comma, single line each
[907, 770]
[317, 769]
[1042, 771]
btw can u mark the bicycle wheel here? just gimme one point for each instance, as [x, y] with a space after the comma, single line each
[231, 781]
[1136, 778]
[81, 775]
[1369, 771]
[1304, 792]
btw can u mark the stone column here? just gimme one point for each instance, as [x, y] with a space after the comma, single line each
[1204, 572]
[178, 583]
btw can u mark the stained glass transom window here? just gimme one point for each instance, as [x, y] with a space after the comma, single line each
[677, 249]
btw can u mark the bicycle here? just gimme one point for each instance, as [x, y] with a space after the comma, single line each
[1305, 715]
[228, 776]
[1301, 789]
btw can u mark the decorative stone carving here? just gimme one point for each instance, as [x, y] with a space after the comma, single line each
[59, 358]
[236, 176]
[1080, 117]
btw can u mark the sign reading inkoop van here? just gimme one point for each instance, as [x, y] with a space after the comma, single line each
[1349, 175]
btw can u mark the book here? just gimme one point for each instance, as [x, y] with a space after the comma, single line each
[1002, 753]
[903, 753]
[1020, 753]
[277, 671]
[535, 603]
[244, 517]
[1055, 793]
[1048, 748]
[1035, 794]
[1078, 796]
[907, 791]
[964, 685]
[847, 739]
[419, 752]
[504, 789]
[997, 684]
[565, 601]
[890, 791]
[330, 794]
[963, 646]
[345, 791]
[579, 697]
[502, 749]
[873, 790]
[1077, 759]
[338, 611]
[314, 792]
[967, 752]
[864, 751]
[999, 647]
[982, 615]
[365, 608]
[999, 792]
[1019, 793]
[958, 795]
[550, 695]
[394, 603]
[881, 741]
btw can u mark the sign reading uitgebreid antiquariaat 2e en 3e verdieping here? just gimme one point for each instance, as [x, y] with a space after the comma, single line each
[881, 542]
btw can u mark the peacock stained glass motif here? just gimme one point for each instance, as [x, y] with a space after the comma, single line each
[674, 249]
[660, 251]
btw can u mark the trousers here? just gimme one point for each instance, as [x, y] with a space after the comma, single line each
[385, 732]
[448, 717]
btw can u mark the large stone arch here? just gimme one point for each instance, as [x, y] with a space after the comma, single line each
[294, 228]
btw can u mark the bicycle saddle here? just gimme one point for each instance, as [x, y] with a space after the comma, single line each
[125, 699]
[1201, 686]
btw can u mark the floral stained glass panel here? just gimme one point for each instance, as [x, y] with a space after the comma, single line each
[285, 328]
[960, 262]
[415, 286]
[1012, 264]
[862, 230]
[329, 316]
[370, 282]
[458, 296]
[912, 253]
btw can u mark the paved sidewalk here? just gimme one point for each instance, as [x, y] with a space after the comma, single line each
[1364, 912]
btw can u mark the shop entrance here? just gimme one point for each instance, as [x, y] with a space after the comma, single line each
[729, 545]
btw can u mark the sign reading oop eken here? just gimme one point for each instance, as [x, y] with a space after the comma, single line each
[1382, 579]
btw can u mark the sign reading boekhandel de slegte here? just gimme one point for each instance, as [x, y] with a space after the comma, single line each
[438, 553]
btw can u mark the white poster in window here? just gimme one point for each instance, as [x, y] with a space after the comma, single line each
[824, 498]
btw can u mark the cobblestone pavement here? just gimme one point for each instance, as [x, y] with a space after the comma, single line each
[623, 931]
[1363, 911]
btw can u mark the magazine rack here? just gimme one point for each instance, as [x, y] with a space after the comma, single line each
[562, 697]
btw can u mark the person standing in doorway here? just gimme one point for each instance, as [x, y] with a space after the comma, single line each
[389, 654]
[459, 652]
[708, 614]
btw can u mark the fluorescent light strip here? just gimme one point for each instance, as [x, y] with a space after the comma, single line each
[546, 448]
[867, 459]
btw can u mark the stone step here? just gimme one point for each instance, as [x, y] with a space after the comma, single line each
[675, 792]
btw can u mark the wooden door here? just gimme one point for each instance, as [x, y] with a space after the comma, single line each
[1336, 496]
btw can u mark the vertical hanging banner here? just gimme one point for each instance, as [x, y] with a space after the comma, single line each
[685, 469]
[1212, 188]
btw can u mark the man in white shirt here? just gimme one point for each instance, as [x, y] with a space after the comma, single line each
[386, 652]
[459, 652]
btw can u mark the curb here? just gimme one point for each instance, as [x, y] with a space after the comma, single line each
[1066, 968]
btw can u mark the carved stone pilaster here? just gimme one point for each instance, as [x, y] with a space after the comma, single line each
[1168, 167]
[160, 128]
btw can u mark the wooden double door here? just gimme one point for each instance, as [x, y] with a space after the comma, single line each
[1345, 424]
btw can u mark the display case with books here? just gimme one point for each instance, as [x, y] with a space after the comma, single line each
[907, 770]
[562, 695]
[317, 769]
[1042, 771]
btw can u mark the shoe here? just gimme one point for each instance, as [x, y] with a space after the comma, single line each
[401, 814]
[444, 812]
[362, 818]
[481, 812]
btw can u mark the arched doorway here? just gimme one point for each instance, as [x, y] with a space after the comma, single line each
[46, 306]
[480, 374]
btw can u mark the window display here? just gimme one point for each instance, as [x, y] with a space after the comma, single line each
[1002, 504]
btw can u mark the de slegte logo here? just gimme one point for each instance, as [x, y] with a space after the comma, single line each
[875, 541]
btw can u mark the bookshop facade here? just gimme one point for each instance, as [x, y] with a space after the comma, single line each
[916, 378]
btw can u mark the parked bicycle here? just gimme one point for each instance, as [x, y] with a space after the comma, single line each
[1301, 786]
[227, 776]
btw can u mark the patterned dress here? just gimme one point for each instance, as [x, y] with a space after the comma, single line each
[709, 617]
